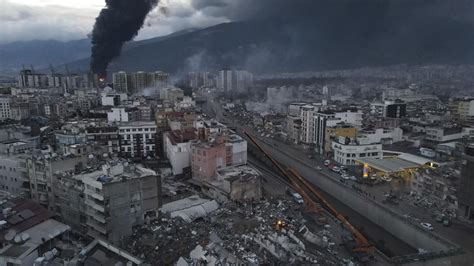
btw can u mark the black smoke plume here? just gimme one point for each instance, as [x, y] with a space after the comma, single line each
[118, 22]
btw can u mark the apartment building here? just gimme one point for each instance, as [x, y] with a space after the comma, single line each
[137, 139]
[177, 145]
[217, 151]
[5, 108]
[118, 197]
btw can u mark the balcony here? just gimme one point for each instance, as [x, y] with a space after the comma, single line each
[96, 226]
[95, 195]
[95, 206]
[97, 216]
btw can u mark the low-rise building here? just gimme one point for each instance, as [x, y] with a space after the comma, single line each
[380, 135]
[123, 114]
[334, 132]
[28, 233]
[112, 99]
[215, 151]
[347, 151]
[442, 134]
[235, 183]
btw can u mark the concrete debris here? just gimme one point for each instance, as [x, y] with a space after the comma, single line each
[269, 232]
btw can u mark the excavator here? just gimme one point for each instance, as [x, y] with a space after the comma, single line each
[355, 240]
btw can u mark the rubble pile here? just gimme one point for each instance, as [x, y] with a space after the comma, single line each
[270, 232]
[273, 228]
[163, 241]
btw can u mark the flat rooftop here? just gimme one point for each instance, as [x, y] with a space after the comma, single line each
[389, 165]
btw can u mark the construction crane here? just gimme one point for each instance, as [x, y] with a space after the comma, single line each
[361, 248]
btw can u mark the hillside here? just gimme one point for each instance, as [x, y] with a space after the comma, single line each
[299, 44]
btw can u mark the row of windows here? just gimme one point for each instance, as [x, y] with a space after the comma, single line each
[147, 136]
[353, 155]
[151, 129]
[11, 169]
[6, 178]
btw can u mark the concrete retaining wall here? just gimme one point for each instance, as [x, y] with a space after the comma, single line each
[376, 212]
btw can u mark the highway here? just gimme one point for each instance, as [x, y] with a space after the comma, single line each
[457, 233]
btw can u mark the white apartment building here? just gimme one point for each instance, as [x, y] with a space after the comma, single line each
[5, 108]
[325, 119]
[380, 135]
[118, 115]
[137, 139]
[350, 117]
[307, 123]
[112, 99]
[347, 151]
[178, 152]
[440, 134]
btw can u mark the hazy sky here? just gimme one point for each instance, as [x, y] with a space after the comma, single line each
[73, 19]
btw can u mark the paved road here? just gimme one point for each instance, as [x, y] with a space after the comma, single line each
[457, 233]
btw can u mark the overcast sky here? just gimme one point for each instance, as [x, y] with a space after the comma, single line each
[64, 20]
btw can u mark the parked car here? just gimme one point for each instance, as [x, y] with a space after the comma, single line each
[336, 169]
[327, 163]
[386, 178]
[427, 226]
[352, 178]
[345, 176]
[319, 168]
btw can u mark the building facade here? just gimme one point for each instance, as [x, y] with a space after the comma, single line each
[348, 151]
[137, 139]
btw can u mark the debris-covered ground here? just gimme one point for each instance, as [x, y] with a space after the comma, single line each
[270, 232]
